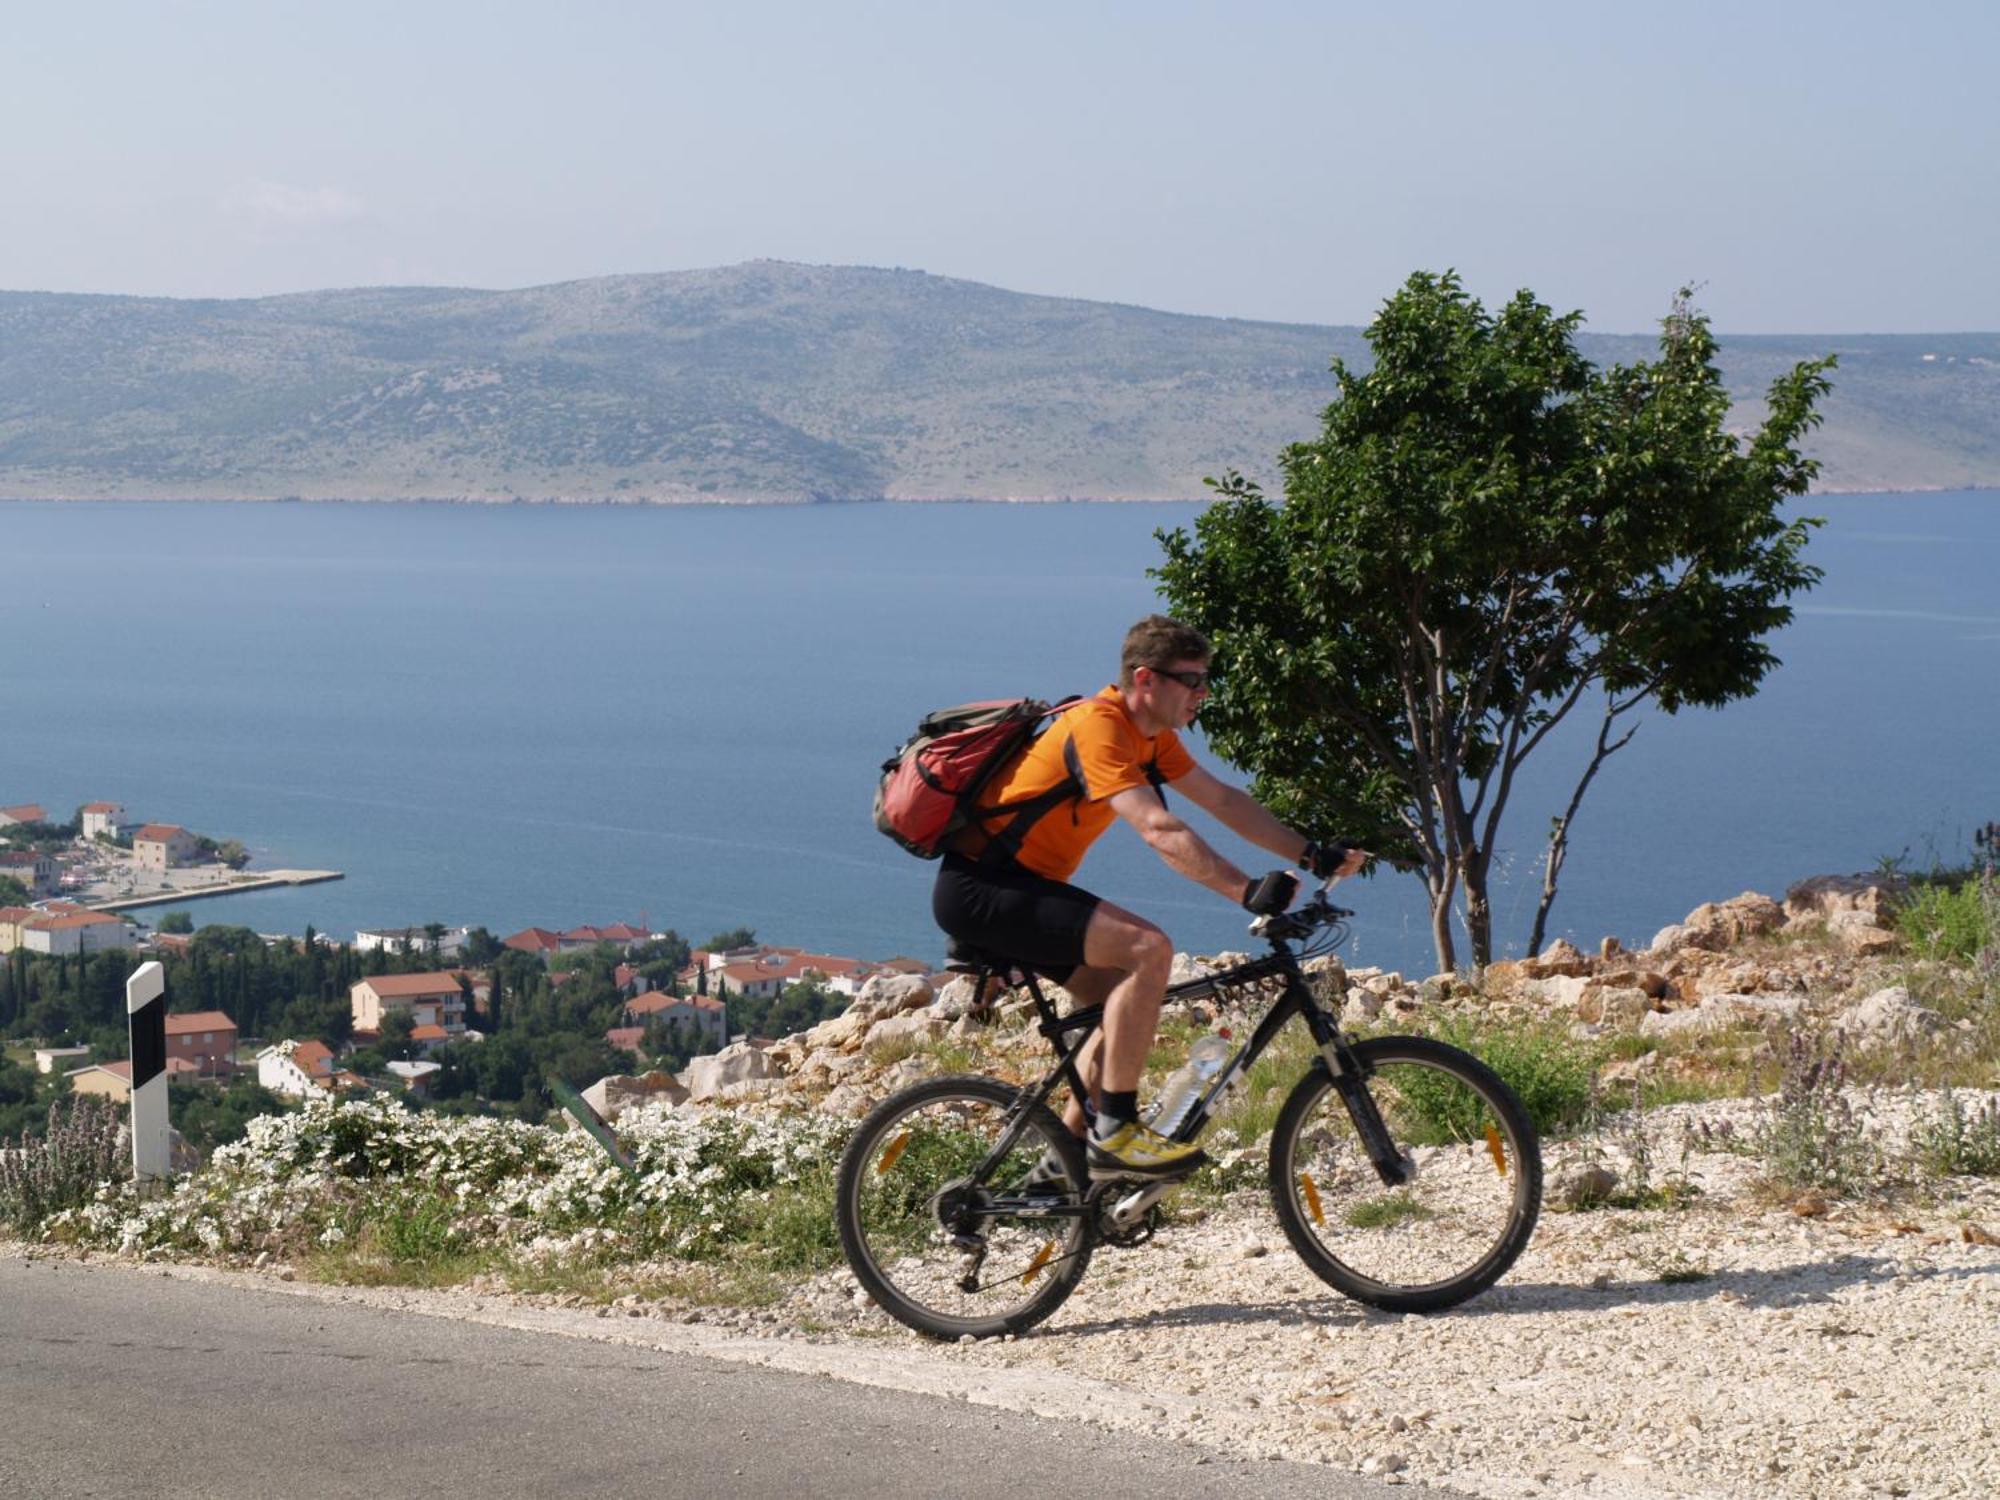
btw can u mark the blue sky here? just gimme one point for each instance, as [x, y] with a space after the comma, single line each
[1815, 168]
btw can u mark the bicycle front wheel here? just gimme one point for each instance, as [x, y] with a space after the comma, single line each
[945, 1247]
[1473, 1189]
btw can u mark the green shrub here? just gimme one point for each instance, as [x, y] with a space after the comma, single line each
[1549, 1070]
[1951, 919]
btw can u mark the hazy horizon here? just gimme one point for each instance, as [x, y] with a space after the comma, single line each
[1825, 172]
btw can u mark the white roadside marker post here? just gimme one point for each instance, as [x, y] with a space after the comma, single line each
[146, 1009]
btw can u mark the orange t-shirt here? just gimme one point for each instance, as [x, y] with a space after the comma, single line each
[1097, 742]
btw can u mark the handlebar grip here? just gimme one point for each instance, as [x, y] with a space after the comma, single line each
[1272, 894]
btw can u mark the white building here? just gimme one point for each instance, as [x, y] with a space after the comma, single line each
[451, 941]
[58, 1059]
[703, 1014]
[69, 933]
[428, 1000]
[415, 1075]
[102, 820]
[161, 846]
[299, 1070]
[34, 869]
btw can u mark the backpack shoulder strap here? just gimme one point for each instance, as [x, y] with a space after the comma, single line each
[1005, 845]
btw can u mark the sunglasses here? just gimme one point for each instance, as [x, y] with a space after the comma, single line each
[1194, 682]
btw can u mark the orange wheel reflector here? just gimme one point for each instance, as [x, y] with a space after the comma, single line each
[1496, 1149]
[1311, 1191]
[1041, 1259]
[893, 1154]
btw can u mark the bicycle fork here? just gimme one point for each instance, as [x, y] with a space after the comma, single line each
[1350, 1081]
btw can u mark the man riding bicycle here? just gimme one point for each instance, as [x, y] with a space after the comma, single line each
[1004, 884]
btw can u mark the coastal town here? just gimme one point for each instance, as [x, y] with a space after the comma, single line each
[421, 996]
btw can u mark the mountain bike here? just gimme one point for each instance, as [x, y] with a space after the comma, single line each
[1404, 1171]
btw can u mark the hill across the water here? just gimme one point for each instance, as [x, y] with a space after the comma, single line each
[777, 382]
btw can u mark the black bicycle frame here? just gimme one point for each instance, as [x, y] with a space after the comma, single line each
[1336, 1055]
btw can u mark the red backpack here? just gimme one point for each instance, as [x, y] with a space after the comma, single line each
[930, 784]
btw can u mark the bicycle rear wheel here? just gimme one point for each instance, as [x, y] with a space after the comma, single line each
[944, 1254]
[1463, 1216]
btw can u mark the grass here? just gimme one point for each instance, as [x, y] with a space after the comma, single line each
[367, 1263]
[1676, 1267]
[704, 1285]
[1386, 1211]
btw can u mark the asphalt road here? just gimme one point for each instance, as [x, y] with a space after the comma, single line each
[117, 1381]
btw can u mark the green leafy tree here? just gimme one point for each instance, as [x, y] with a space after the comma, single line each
[177, 921]
[481, 947]
[735, 937]
[1489, 532]
[12, 892]
[208, 1116]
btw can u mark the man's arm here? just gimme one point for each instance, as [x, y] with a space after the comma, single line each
[1247, 818]
[1242, 814]
[1180, 846]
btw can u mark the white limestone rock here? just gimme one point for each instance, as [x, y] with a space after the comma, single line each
[890, 993]
[739, 1062]
[1889, 1015]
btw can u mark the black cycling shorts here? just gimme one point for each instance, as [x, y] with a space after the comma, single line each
[1014, 912]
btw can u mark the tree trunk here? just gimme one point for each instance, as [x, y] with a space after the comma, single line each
[1442, 885]
[1478, 913]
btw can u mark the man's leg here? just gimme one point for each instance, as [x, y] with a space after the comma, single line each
[1140, 952]
[1120, 1147]
[1087, 987]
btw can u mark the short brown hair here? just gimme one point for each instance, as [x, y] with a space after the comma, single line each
[1159, 641]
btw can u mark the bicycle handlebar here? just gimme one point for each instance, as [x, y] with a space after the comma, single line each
[1301, 921]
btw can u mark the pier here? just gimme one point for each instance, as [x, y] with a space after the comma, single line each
[263, 880]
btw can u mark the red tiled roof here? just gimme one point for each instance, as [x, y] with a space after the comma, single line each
[313, 1058]
[428, 1032]
[788, 965]
[198, 1020]
[623, 932]
[533, 940]
[70, 921]
[626, 1038]
[157, 833]
[656, 1000]
[100, 807]
[25, 812]
[412, 986]
[19, 914]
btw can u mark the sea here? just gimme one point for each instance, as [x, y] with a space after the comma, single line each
[552, 715]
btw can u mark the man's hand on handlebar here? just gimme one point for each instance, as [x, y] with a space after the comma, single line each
[1325, 861]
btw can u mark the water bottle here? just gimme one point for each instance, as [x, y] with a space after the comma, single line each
[1187, 1083]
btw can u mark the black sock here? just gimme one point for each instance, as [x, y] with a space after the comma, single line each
[1117, 1109]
